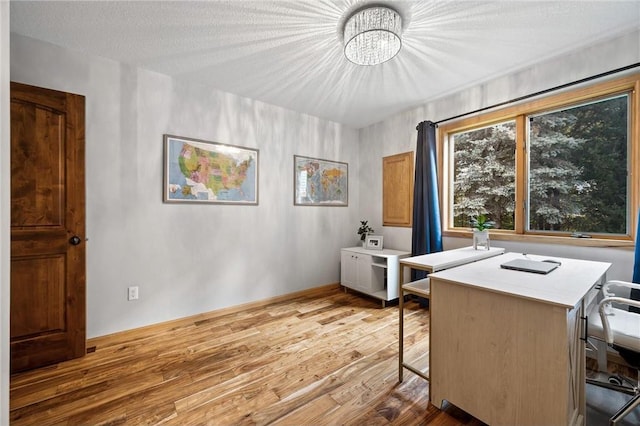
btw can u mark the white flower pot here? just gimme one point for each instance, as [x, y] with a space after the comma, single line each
[481, 239]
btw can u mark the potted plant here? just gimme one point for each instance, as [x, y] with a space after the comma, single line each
[481, 226]
[364, 230]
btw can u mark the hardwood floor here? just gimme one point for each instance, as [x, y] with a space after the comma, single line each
[321, 359]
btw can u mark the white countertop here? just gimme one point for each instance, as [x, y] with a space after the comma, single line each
[449, 258]
[565, 286]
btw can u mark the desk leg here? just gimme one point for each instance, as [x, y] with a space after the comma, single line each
[401, 322]
[601, 347]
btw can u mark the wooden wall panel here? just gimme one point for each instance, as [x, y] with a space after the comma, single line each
[397, 190]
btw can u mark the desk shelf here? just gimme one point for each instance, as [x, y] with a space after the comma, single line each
[431, 263]
[420, 288]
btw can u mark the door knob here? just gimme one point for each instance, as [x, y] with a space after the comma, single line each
[75, 240]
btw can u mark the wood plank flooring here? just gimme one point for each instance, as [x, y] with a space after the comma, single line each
[316, 359]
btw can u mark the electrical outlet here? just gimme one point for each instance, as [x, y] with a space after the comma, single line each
[132, 293]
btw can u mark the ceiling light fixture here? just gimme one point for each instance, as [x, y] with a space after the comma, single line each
[372, 35]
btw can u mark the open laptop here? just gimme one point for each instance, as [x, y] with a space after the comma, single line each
[528, 265]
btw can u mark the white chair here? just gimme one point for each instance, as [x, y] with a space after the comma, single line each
[611, 322]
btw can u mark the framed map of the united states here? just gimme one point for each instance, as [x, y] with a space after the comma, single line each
[198, 171]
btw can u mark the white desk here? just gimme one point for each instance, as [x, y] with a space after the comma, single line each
[449, 258]
[431, 263]
[505, 346]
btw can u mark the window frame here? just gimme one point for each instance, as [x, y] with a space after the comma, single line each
[569, 97]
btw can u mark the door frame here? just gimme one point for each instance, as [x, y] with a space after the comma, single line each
[5, 230]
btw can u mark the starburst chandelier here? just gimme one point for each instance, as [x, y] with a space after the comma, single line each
[372, 35]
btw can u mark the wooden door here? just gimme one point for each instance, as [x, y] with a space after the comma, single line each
[47, 227]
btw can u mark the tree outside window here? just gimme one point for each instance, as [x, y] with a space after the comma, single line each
[578, 168]
[484, 175]
[575, 179]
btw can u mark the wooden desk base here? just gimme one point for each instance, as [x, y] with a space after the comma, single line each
[522, 359]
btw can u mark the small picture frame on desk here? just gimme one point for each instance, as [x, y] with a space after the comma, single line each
[373, 242]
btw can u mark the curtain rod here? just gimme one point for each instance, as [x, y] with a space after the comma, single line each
[542, 92]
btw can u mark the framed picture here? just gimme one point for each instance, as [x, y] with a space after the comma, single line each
[318, 182]
[197, 171]
[373, 242]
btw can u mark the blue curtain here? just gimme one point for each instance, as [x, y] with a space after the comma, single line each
[635, 294]
[636, 265]
[427, 230]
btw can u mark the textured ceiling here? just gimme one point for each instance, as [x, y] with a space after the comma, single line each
[289, 53]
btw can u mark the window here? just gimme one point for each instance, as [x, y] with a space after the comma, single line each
[578, 168]
[554, 167]
[484, 174]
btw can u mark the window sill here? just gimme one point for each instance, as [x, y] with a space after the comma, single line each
[546, 239]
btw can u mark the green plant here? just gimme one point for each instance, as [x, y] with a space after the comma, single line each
[481, 223]
[364, 229]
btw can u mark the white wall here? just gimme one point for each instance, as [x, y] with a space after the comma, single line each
[398, 134]
[188, 259]
[5, 167]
